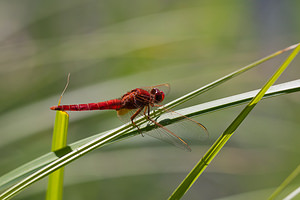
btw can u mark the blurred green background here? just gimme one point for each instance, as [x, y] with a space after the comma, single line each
[110, 47]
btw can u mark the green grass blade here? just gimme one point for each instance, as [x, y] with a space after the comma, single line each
[24, 171]
[225, 78]
[235, 100]
[59, 141]
[67, 158]
[285, 183]
[68, 154]
[218, 145]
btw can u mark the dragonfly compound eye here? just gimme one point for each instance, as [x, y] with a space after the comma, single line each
[154, 91]
[159, 97]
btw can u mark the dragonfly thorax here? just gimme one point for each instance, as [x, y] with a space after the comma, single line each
[139, 98]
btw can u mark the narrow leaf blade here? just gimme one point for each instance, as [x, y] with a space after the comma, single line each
[218, 145]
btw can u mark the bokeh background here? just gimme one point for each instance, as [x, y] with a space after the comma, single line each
[110, 47]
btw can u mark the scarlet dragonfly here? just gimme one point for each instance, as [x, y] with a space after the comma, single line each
[138, 101]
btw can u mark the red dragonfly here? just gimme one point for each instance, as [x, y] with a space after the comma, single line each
[138, 101]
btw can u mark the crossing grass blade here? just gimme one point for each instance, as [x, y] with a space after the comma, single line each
[228, 102]
[36, 170]
[221, 141]
[225, 78]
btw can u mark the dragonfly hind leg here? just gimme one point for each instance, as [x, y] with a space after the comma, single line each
[181, 141]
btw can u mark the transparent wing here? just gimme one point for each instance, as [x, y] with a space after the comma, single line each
[125, 114]
[163, 87]
[179, 134]
[166, 135]
[160, 132]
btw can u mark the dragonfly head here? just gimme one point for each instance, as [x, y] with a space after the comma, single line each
[157, 95]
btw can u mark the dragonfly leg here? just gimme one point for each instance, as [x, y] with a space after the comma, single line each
[198, 123]
[147, 109]
[134, 116]
[170, 132]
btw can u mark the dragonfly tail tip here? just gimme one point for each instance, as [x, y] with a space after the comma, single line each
[53, 108]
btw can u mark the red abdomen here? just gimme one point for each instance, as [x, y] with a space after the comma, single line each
[114, 104]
